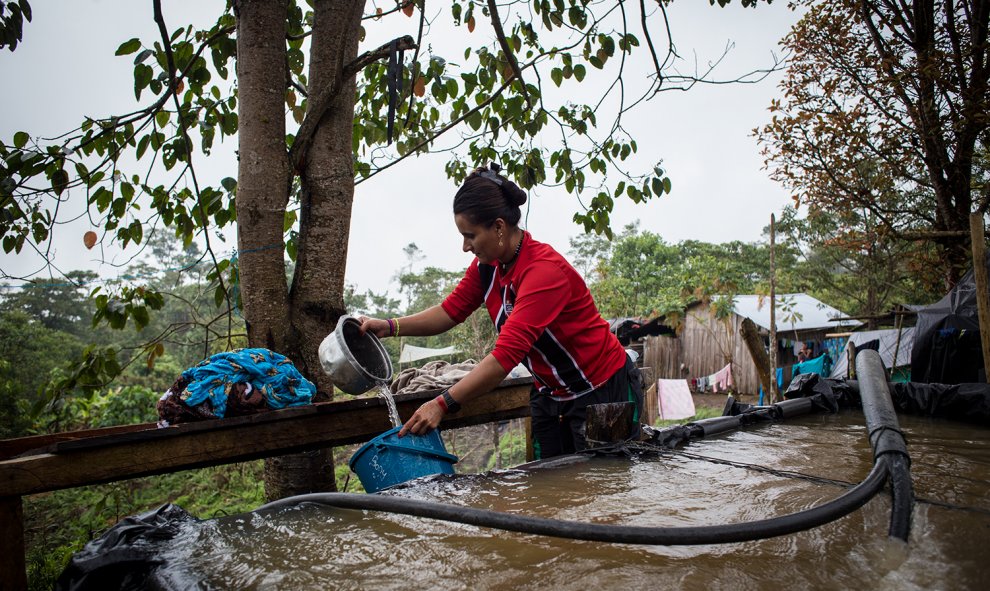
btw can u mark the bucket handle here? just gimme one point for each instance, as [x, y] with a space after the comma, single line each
[421, 450]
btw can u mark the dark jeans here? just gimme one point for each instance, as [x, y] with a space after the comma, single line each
[558, 427]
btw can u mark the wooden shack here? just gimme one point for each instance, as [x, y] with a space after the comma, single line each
[705, 343]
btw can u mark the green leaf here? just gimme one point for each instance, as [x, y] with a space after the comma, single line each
[474, 120]
[60, 180]
[666, 185]
[219, 295]
[137, 231]
[129, 47]
[296, 60]
[557, 76]
[579, 72]
[142, 146]
[162, 117]
[143, 56]
[140, 316]
[21, 139]
[228, 183]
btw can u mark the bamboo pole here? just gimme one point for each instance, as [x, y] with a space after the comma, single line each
[976, 229]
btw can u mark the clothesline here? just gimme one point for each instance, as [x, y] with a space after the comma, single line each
[718, 381]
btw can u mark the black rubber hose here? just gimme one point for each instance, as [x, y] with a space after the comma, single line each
[846, 503]
[886, 438]
[903, 497]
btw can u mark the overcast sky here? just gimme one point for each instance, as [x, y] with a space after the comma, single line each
[65, 69]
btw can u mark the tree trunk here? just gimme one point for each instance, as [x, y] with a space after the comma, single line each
[751, 338]
[263, 171]
[317, 294]
[264, 178]
[316, 299]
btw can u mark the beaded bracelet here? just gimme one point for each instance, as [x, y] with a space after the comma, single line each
[391, 327]
[396, 327]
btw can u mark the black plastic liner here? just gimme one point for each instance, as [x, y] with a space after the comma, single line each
[960, 402]
[127, 556]
[947, 347]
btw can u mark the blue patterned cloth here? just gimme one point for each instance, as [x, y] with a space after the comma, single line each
[268, 372]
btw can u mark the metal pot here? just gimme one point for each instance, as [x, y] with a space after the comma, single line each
[356, 362]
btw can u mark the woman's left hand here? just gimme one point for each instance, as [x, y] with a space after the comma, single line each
[425, 419]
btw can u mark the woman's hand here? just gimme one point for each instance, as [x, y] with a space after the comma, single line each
[425, 419]
[376, 326]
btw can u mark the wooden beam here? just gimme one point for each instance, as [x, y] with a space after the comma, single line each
[977, 234]
[108, 458]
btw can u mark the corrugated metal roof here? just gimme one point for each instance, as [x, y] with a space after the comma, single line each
[795, 311]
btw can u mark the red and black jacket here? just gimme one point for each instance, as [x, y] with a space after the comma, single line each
[545, 318]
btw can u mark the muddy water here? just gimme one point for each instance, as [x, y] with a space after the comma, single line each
[312, 547]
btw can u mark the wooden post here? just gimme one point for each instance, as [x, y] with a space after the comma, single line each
[978, 241]
[897, 345]
[12, 563]
[651, 405]
[530, 450]
[611, 422]
[772, 393]
[751, 337]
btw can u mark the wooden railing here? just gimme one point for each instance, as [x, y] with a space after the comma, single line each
[31, 465]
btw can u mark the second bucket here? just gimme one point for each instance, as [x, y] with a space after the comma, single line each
[388, 460]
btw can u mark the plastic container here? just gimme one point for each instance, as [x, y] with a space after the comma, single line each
[388, 460]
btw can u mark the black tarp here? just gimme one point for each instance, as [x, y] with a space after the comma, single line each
[127, 555]
[630, 330]
[961, 402]
[947, 346]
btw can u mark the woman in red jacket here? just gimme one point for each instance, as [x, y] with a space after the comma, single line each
[544, 316]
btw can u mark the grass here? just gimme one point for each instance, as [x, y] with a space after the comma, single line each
[703, 412]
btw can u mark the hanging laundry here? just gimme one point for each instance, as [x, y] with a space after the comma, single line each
[723, 379]
[674, 400]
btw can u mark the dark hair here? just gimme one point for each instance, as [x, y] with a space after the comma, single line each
[486, 196]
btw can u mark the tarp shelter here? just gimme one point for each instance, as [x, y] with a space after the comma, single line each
[947, 347]
[410, 353]
[888, 346]
[795, 312]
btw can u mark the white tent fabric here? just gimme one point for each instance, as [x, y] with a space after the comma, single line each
[412, 353]
[888, 345]
[813, 313]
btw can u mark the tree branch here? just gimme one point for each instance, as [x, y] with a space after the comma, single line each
[323, 97]
[509, 55]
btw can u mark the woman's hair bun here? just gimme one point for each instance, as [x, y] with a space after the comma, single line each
[513, 194]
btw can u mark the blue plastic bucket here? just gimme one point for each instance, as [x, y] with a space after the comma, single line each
[388, 460]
